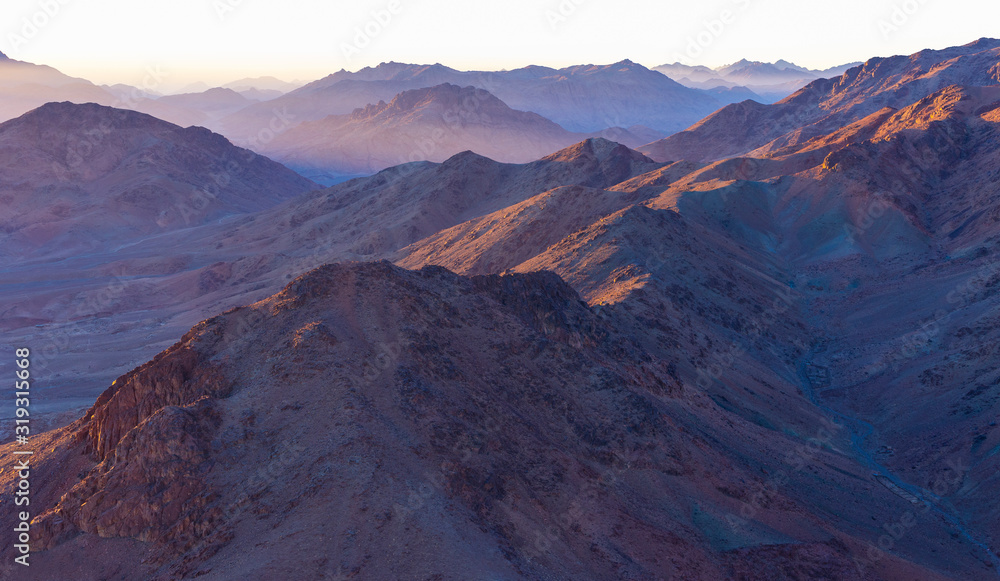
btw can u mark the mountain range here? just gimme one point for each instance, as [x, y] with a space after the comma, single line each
[771, 81]
[760, 348]
[583, 99]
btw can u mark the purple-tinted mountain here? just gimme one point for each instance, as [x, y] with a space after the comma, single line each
[584, 98]
[775, 365]
[768, 82]
[430, 124]
[26, 86]
[77, 176]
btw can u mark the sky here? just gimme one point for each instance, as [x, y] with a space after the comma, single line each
[216, 41]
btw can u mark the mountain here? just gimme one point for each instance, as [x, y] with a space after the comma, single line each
[746, 72]
[204, 108]
[430, 124]
[76, 176]
[127, 296]
[262, 84]
[582, 99]
[589, 98]
[453, 412]
[423, 124]
[827, 104]
[128, 92]
[772, 365]
[882, 227]
[769, 82]
[373, 217]
[26, 86]
[262, 88]
[214, 102]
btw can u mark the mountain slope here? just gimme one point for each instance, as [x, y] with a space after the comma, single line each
[121, 301]
[827, 104]
[372, 217]
[402, 425]
[78, 176]
[883, 225]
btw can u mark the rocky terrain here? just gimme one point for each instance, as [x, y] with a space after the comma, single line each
[761, 352]
[445, 427]
[826, 105]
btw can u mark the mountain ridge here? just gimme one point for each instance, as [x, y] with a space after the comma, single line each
[826, 104]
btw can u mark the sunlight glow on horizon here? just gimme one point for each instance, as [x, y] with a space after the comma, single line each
[217, 41]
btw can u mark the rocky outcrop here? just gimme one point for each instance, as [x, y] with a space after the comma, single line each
[150, 435]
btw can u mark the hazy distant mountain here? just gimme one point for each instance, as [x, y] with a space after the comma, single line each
[430, 124]
[771, 81]
[581, 99]
[262, 88]
[215, 102]
[746, 73]
[25, 86]
[422, 124]
[204, 108]
[195, 87]
[129, 92]
[262, 84]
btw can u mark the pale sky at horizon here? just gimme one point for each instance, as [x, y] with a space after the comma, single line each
[217, 41]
